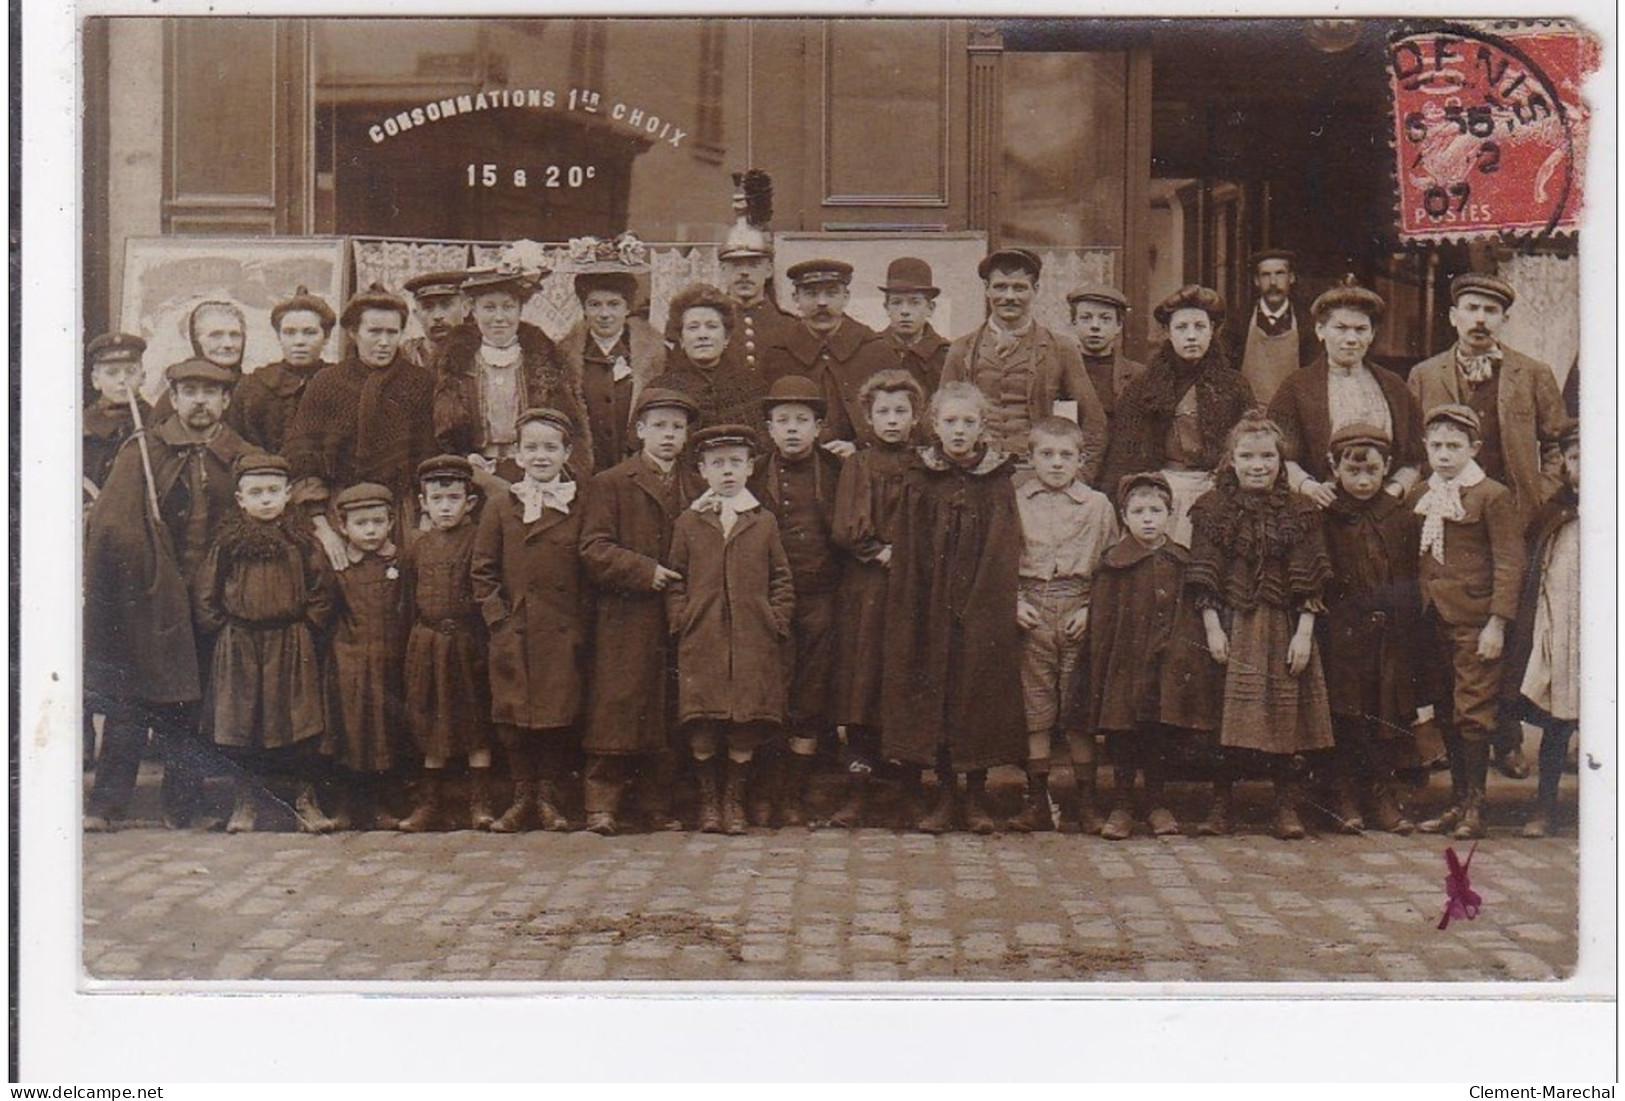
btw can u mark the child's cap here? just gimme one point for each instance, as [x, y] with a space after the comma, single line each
[115, 348]
[364, 495]
[1461, 416]
[449, 468]
[258, 462]
[1145, 479]
[726, 435]
[547, 416]
[1359, 434]
[794, 390]
[655, 397]
[1570, 434]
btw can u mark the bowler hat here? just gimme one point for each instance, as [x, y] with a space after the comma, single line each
[259, 462]
[1474, 282]
[446, 467]
[375, 297]
[655, 397]
[198, 369]
[115, 348]
[1191, 297]
[363, 495]
[435, 284]
[794, 390]
[1011, 259]
[303, 300]
[1097, 292]
[820, 271]
[726, 435]
[909, 275]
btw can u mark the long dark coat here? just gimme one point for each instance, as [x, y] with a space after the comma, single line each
[448, 692]
[366, 717]
[952, 675]
[1145, 412]
[924, 359]
[840, 364]
[612, 427]
[261, 595]
[1368, 631]
[544, 382]
[1148, 656]
[866, 504]
[730, 616]
[1301, 408]
[626, 531]
[139, 641]
[105, 429]
[264, 403]
[532, 592]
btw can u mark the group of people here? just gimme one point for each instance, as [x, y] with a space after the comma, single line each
[622, 558]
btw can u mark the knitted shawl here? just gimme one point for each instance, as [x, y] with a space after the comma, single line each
[1145, 410]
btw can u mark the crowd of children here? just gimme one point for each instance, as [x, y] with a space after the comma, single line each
[736, 602]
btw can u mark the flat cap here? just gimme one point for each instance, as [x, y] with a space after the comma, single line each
[794, 390]
[1457, 414]
[1097, 292]
[1191, 297]
[1263, 254]
[1473, 282]
[435, 284]
[910, 275]
[114, 348]
[363, 495]
[1011, 259]
[303, 300]
[453, 468]
[1151, 479]
[656, 397]
[259, 462]
[820, 271]
[374, 297]
[198, 369]
[726, 435]
[547, 416]
[1359, 434]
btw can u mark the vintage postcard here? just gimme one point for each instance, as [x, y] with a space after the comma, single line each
[1073, 510]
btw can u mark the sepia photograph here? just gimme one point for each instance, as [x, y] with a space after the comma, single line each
[925, 506]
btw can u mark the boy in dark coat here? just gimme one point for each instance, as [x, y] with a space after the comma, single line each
[365, 714]
[626, 529]
[952, 685]
[730, 611]
[448, 694]
[1366, 632]
[1151, 679]
[797, 483]
[1471, 566]
[531, 589]
[262, 594]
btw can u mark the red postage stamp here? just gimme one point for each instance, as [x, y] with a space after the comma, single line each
[1489, 128]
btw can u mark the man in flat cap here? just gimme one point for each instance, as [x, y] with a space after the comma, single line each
[440, 306]
[266, 400]
[1022, 366]
[1098, 313]
[141, 656]
[747, 275]
[836, 351]
[1520, 409]
[368, 418]
[1277, 337]
[911, 298]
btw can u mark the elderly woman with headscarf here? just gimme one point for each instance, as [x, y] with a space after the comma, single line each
[1175, 417]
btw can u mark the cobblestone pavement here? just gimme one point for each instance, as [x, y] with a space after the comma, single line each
[867, 905]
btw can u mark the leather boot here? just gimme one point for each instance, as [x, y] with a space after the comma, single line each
[548, 814]
[1508, 746]
[710, 796]
[479, 799]
[850, 815]
[768, 769]
[1477, 763]
[1034, 816]
[426, 815]
[977, 819]
[1119, 824]
[1288, 827]
[1217, 823]
[309, 812]
[371, 811]
[1451, 816]
[243, 811]
[521, 816]
[940, 818]
[793, 789]
[1089, 820]
[1386, 814]
[733, 798]
[1160, 818]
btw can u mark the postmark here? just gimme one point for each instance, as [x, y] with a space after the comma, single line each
[1489, 129]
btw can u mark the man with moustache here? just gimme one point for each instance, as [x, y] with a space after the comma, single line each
[368, 418]
[837, 352]
[264, 403]
[438, 302]
[141, 657]
[911, 299]
[1023, 367]
[1278, 337]
[1520, 409]
[747, 275]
